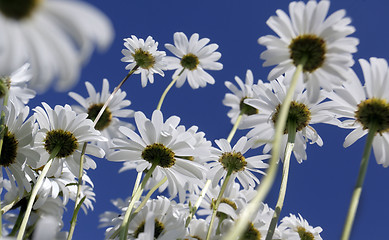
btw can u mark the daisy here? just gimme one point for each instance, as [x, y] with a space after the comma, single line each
[235, 100]
[56, 37]
[307, 37]
[144, 54]
[159, 144]
[294, 228]
[258, 227]
[158, 219]
[63, 127]
[16, 152]
[193, 57]
[109, 121]
[363, 107]
[16, 83]
[227, 159]
[302, 113]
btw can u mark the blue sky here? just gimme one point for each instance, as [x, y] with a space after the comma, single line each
[320, 188]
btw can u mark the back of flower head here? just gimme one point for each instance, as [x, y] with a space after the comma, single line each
[49, 35]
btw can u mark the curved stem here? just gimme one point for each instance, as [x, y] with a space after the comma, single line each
[136, 197]
[267, 182]
[137, 182]
[216, 206]
[35, 190]
[284, 182]
[167, 89]
[198, 202]
[147, 197]
[109, 99]
[234, 128]
[77, 200]
[358, 186]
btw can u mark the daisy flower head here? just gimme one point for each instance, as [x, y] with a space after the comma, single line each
[363, 108]
[302, 113]
[159, 144]
[109, 121]
[16, 85]
[229, 159]
[293, 228]
[55, 37]
[158, 219]
[193, 56]
[307, 37]
[235, 100]
[63, 128]
[16, 152]
[144, 54]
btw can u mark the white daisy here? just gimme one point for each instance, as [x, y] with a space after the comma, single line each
[235, 100]
[302, 112]
[308, 36]
[158, 219]
[234, 200]
[160, 144]
[55, 36]
[193, 57]
[258, 227]
[63, 127]
[16, 83]
[16, 151]
[294, 228]
[144, 54]
[109, 122]
[364, 106]
[232, 159]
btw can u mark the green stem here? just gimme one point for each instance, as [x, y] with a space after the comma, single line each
[167, 89]
[78, 195]
[358, 186]
[18, 220]
[136, 197]
[109, 99]
[137, 182]
[284, 182]
[3, 131]
[35, 190]
[234, 128]
[147, 197]
[216, 206]
[267, 182]
[198, 202]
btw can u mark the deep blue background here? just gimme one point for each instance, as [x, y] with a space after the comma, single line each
[320, 188]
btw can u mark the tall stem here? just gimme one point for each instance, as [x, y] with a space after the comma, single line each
[137, 195]
[79, 184]
[35, 190]
[167, 89]
[147, 197]
[358, 186]
[284, 182]
[267, 182]
[78, 195]
[234, 128]
[198, 202]
[216, 206]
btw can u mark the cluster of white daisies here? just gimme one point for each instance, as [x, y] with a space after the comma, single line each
[208, 186]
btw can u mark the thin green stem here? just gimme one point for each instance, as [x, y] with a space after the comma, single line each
[234, 128]
[3, 131]
[109, 99]
[216, 206]
[267, 182]
[79, 184]
[167, 89]
[136, 197]
[137, 182]
[78, 195]
[147, 197]
[35, 190]
[198, 202]
[358, 186]
[18, 220]
[284, 182]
